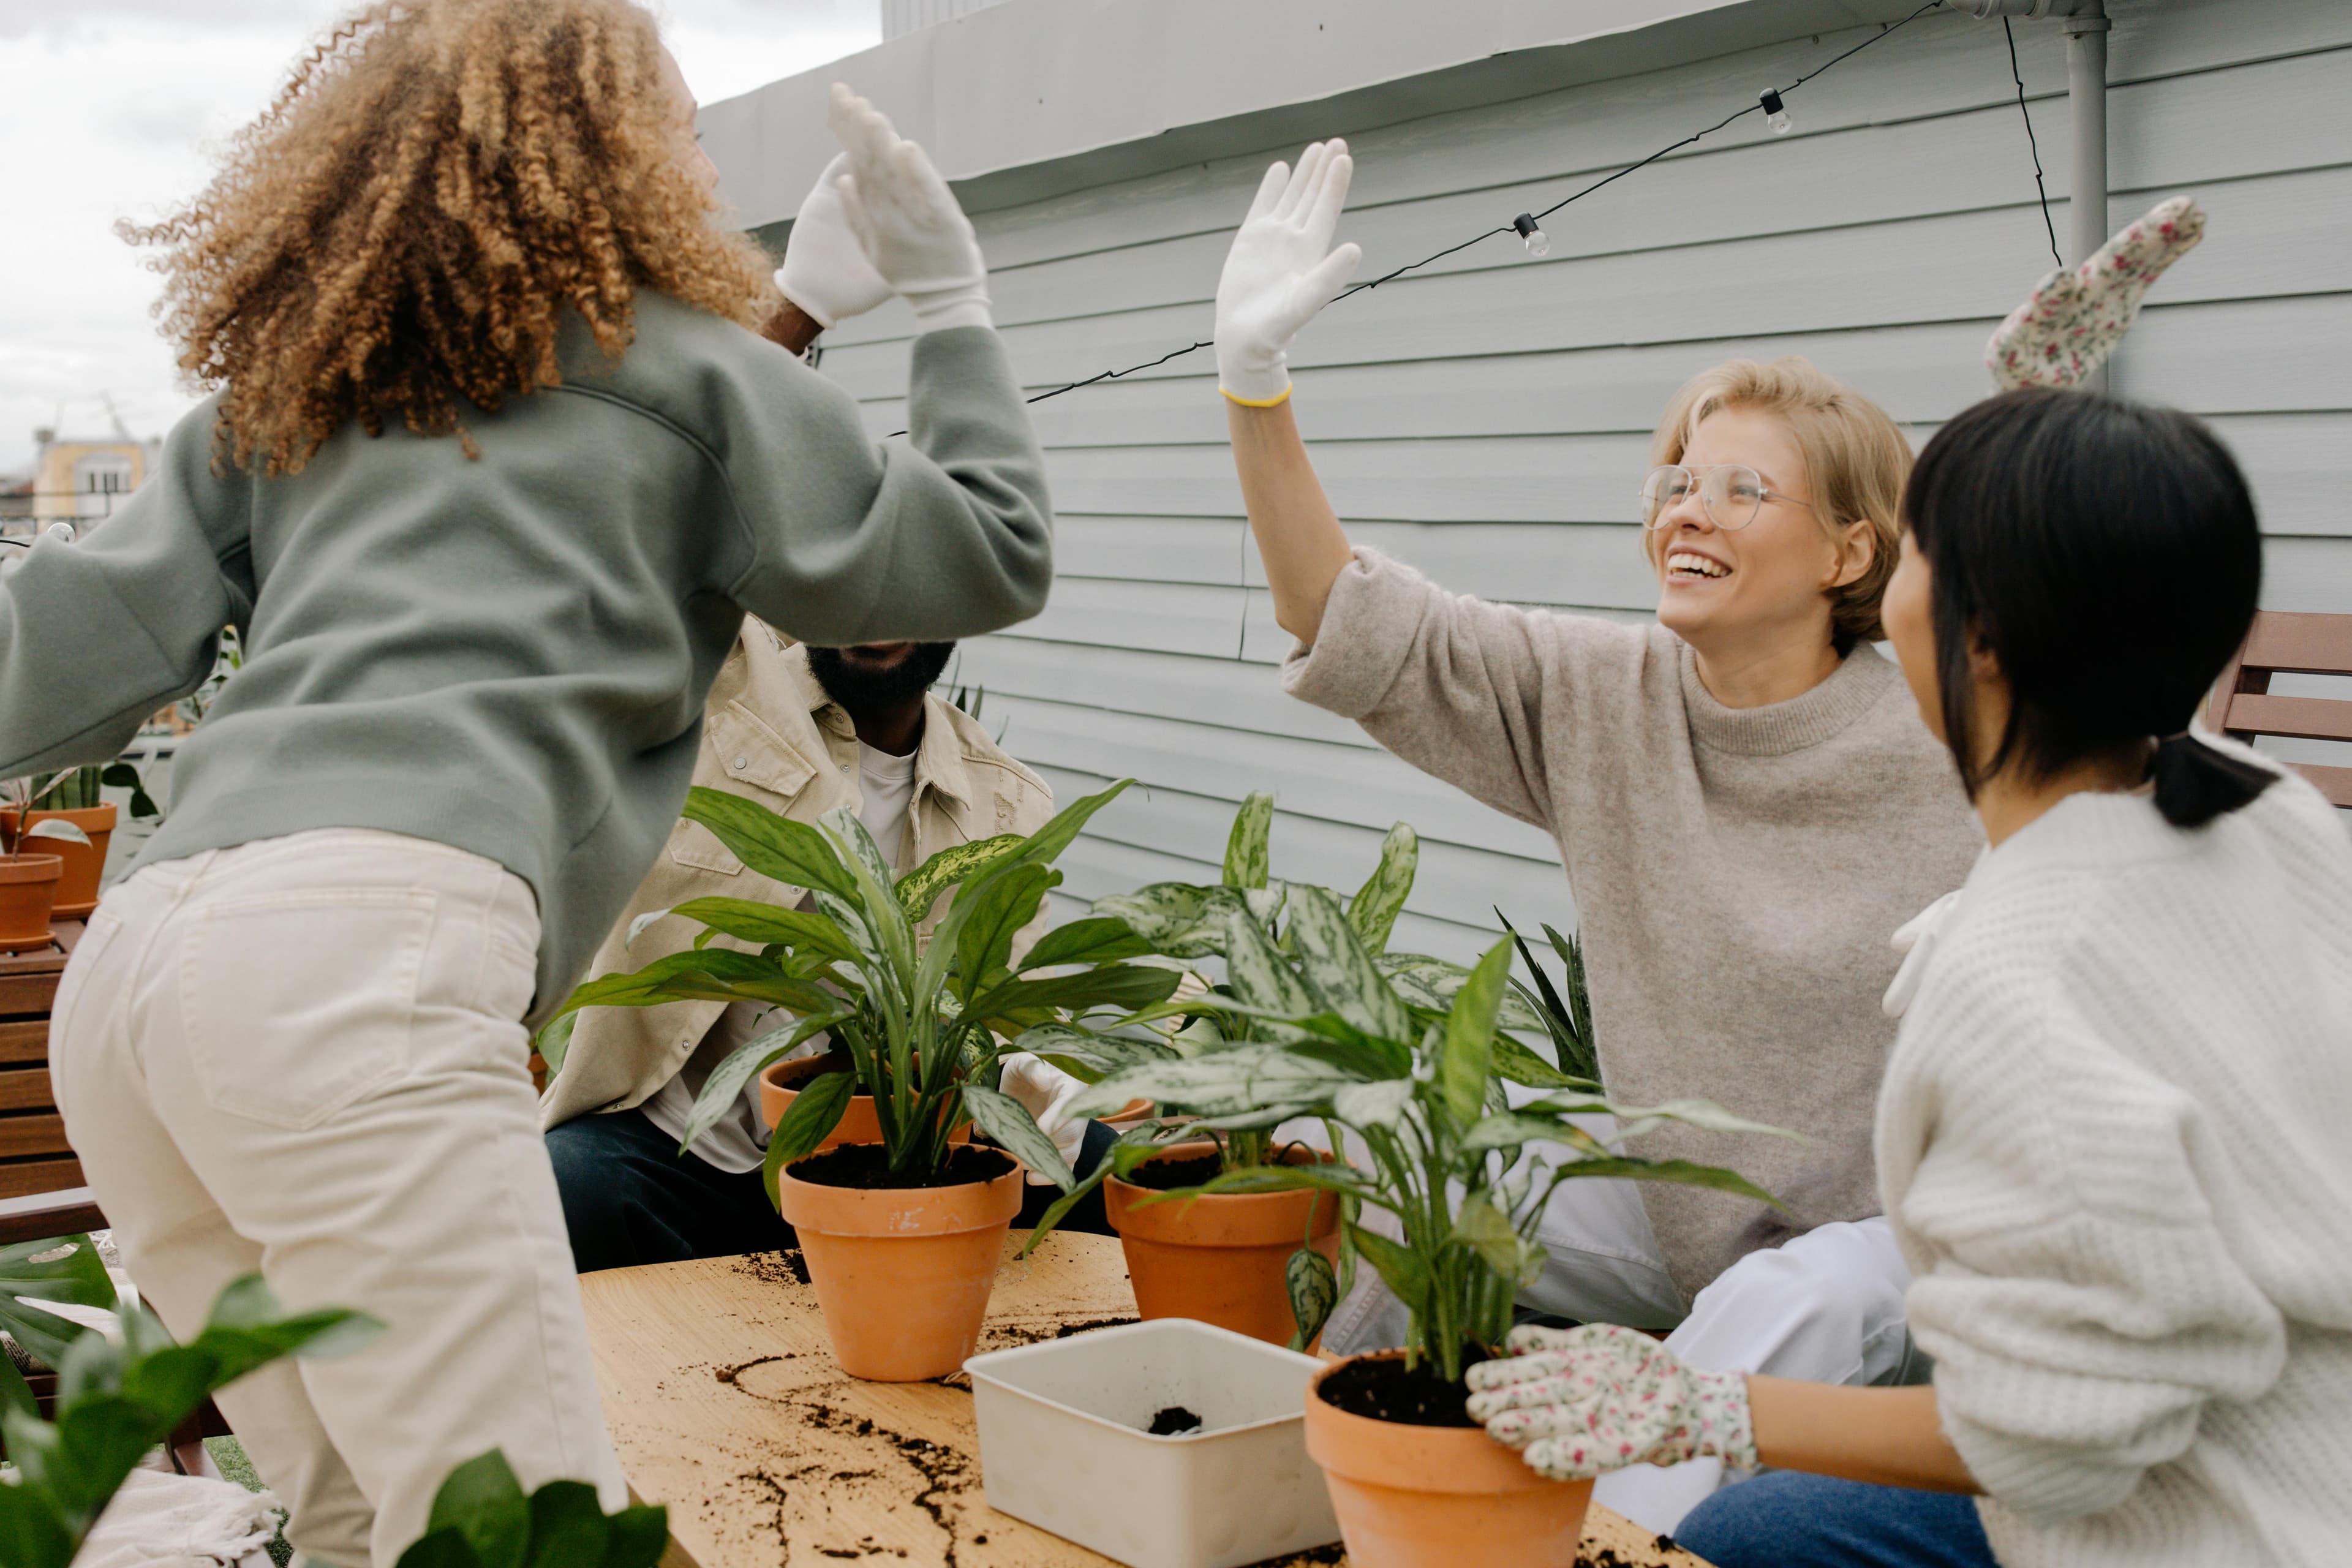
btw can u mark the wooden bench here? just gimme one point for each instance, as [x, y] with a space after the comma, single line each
[2290, 643]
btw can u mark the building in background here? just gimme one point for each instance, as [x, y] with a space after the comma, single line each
[1487, 417]
[84, 465]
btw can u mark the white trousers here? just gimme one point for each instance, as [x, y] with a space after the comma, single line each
[302, 1055]
[1826, 1306]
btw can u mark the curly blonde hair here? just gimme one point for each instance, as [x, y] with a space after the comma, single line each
[401, 231]
[1856, 461]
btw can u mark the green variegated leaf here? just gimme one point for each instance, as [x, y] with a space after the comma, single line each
[919, 889]
[892, 932]
[1373, 1104]
[1516, 1063]
[1008, 1121]
[1177, 918]
[1509, 1129]
[1432, 984]
[773, 845]
[807, 1122]
[553, 1042]
[996, 915]
[1314, 1289]
[1374, 908]
[1125, 985]
[1636, 1119]
[1089, 1057]
[1246, 846]
[57, 828]
[1100, 940]
[637, 927]
[1682, 1173]
[1404, 1270]
[70, 1272]
[716, 975]
[724, 1086]
[1261, 976]
[1336, 966]
[1488, 1231]
[770, 925]
[1467, 1056]
[1233, 1082]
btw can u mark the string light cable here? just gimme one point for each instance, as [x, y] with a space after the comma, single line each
[1528, 227]
[2027, 115]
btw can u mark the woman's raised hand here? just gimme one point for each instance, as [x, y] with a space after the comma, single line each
[2076, 317]
[905, 219]
[1280, 271]
[826, 271]
[1579, 1403]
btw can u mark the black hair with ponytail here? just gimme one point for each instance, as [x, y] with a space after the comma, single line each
[2106, 555]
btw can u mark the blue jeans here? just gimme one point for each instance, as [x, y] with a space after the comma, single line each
[1786, 1519]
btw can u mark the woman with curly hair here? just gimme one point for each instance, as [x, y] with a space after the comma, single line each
[495, 466]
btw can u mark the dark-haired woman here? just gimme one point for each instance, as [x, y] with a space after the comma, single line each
[2112, 1141]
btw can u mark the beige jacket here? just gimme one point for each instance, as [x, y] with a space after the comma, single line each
[771, 734]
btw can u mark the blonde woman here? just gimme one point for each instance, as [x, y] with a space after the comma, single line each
[1745, 802]
[496, 465]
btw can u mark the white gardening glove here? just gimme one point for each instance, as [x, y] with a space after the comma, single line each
[1579, 1403]
[1046, 1091]
[1280, 271]
[826, 271]
[2076, 317]
[907, 220]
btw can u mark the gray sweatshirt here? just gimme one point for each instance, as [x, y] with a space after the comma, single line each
[510, 655]
[1737, 872]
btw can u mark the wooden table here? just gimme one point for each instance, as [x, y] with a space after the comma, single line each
[726, 1403]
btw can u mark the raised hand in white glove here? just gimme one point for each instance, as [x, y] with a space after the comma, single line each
[1581, 1401]
[1280, 271]
[826, 271]
[1046, 1091]
[907, 220]
[2076, 318]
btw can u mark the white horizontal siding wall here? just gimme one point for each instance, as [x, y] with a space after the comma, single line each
[1487, 420]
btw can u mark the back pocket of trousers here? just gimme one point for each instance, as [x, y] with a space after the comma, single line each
[300, 1003]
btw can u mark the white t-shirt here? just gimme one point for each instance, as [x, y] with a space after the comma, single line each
[737, 1142]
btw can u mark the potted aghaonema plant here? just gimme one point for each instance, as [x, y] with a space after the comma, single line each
[902, 1234]
[1462, 1172]
[30, 886]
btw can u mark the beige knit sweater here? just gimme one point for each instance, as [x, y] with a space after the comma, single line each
[2116, 1148]
[1736, 871]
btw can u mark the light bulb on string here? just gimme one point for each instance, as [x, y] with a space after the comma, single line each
[1537, 242]
[1776, 114]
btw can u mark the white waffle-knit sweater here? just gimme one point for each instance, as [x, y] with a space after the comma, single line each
[2116, 1145]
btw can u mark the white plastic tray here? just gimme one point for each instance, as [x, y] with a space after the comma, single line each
[1063, 1444]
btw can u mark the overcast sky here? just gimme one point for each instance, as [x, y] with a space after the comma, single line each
[109, 111]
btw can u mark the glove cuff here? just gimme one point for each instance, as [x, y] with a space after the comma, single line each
[964, 305]
[817, 314]
[1720, 1422]
[1254, 385]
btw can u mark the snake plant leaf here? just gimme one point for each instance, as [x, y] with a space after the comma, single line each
[1374, 908]
[724, 1087]
[799, 932]
[1363, 1105]
[919, 889]
[1008, 1121]
[807, 1122]
[1124, 986]
[1580, 997]
[1314, 1288]
[57, 828]
[774, 846]
[1405, 1272]
[1466, 1058]
[1098, 940]
[1339, 969]
[70, 1271]
[996, 916]
[1246, 846]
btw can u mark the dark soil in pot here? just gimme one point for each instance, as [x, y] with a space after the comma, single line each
[1165, 1175]
[1382, 1390]
[866, 1166]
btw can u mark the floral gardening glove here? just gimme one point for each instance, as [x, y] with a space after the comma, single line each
[2076, 318]
[1581, 1401]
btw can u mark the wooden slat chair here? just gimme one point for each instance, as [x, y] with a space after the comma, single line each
[42, 1192]
[2290, 643]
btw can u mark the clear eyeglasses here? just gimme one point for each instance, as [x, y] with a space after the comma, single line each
[1731, 494]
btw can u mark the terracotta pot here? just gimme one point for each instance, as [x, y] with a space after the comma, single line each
[781, 1083]
[902, 1275]
[1127, 1115]
[27, 889]
[78, 886]
[1219, 1259]
[1430, 1497]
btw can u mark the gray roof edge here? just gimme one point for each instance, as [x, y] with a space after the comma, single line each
[1124, 105]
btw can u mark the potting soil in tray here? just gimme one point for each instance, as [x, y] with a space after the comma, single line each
[1383, 1390]
[1173, 1419]
[866, 1165]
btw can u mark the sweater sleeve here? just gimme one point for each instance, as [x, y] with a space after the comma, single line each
[1462, 688]
[96, 635]
[856, 541]
[2071, 1280]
